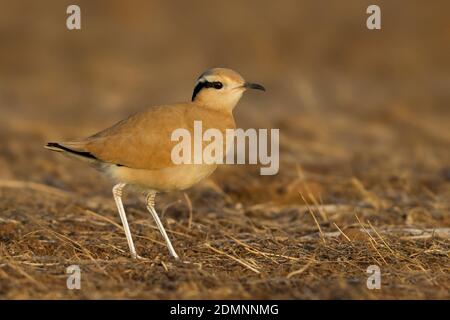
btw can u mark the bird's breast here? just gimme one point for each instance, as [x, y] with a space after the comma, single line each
[174, 178]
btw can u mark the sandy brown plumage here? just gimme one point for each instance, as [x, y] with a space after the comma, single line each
[137, 151]
[143, 141]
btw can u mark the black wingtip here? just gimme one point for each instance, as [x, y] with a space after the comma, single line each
[57, 147]
[52, 145]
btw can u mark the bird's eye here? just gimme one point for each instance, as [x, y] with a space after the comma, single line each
[217, 85]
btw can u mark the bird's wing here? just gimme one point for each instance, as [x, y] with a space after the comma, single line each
[143, 141]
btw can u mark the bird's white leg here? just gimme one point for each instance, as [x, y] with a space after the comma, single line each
[117, 193]
[151, 207]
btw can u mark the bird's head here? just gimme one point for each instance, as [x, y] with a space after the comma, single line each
[221, 88]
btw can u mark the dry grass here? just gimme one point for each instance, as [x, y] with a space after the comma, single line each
[228, 251]
[364, 176]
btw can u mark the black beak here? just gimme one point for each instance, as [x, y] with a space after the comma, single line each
[256, 86]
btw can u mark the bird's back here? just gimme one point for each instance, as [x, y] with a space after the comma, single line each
[143, 141]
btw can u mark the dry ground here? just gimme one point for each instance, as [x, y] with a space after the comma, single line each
[365, 139]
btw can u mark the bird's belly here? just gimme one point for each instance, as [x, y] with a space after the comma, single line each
[178, 177]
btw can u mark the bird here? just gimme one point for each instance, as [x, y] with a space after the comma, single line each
[136, 151]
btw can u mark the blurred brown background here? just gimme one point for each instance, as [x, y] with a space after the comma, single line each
[331, 82]
[351, 104]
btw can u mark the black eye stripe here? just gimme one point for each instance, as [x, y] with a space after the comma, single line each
[200, 85]
[215, 84]
[205, 84]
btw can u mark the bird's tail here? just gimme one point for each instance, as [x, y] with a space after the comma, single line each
[70, 148]
[54, 146]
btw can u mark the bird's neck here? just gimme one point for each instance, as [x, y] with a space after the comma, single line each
[217, 106]
[220, 103]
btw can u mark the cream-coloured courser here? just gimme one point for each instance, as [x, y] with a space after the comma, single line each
[137, 151]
